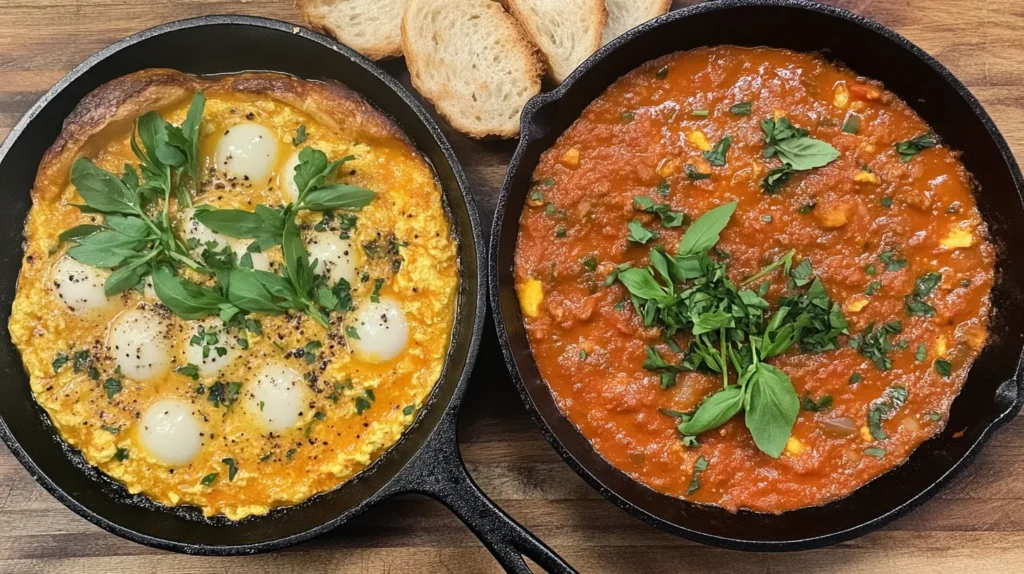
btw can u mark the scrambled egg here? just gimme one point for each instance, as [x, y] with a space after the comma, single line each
[347, 409]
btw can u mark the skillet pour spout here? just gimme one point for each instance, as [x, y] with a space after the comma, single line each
[994, 390]
[425, 460]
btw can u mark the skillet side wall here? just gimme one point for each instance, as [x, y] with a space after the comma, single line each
[992, 394]
[213, 45]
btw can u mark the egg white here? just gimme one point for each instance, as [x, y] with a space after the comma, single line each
[335, 257]
[276, 397]
[170, 432]
[140, 345]
[80, 288]
[382, 329]
[247, 150]
[286, 179]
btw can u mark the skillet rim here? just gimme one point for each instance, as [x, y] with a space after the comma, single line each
[527, 139]
[394, 483]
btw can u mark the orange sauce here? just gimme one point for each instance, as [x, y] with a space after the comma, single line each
[636, 140]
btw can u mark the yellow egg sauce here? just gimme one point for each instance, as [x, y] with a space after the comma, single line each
[242, 469]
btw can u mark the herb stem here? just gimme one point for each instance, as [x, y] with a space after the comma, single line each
[771, 267]
[725, 365]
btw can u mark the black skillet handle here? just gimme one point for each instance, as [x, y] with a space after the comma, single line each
[437, 471]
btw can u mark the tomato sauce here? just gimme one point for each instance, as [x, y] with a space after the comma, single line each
[870, 223]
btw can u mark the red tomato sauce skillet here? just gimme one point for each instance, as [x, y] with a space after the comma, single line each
[830, 226]
[886, 223]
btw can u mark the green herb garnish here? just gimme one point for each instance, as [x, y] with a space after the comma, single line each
[908, 149]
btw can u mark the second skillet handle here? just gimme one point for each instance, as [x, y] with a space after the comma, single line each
[438, 471]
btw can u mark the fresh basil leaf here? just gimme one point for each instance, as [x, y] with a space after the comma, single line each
[187, 136]
[105, 249]
[102, 190]
[233, 222]
[152, 131]
[805, 153]
[717, 155]
[715, 411]
[184, 298]
[741, 109]
[638, 233]
[773, 409]
[135, 227]
[908, 149]
[927, 283]
[79, 231]
[338, 196]
[852, 124]
[703, 234]
[125, 278]
[776, 178]
[943, 368]
[641, 283]
[260, 291]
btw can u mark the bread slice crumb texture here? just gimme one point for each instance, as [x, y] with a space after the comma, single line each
[566, 31]
[472, 61]
[626, 14]
[370, 27]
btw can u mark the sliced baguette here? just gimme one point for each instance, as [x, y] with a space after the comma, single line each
[626, 14]
[370, 27]
[566, 31]
[472, 61]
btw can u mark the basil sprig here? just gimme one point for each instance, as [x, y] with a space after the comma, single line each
[730, 330]
[255, 290]
[797, 151]
[137, 234]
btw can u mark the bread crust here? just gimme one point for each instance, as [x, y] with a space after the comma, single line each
[529, 52]
[122, 100]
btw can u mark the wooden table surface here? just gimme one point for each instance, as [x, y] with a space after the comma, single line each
[976, 524]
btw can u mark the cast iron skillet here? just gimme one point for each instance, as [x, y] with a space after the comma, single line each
[995, 388]
[426, 460]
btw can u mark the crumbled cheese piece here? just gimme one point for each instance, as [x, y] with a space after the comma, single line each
[700, 140]
[857, 304]
[531, 295]
[866, 177]
[865, 434]
[794, 447]
[842, 95]
[957, 238]
[571, 158]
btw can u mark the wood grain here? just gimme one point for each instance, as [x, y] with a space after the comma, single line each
[977, 524]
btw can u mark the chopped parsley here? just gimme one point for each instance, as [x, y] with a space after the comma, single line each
[209, 479]
[232, 468]
[191, 371]
[300, 135]
[112, 386]
[59, 361]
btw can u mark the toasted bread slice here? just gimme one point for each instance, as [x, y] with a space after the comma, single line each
[370, 27]
[471, 59]
[566, 31]
[626, 14]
